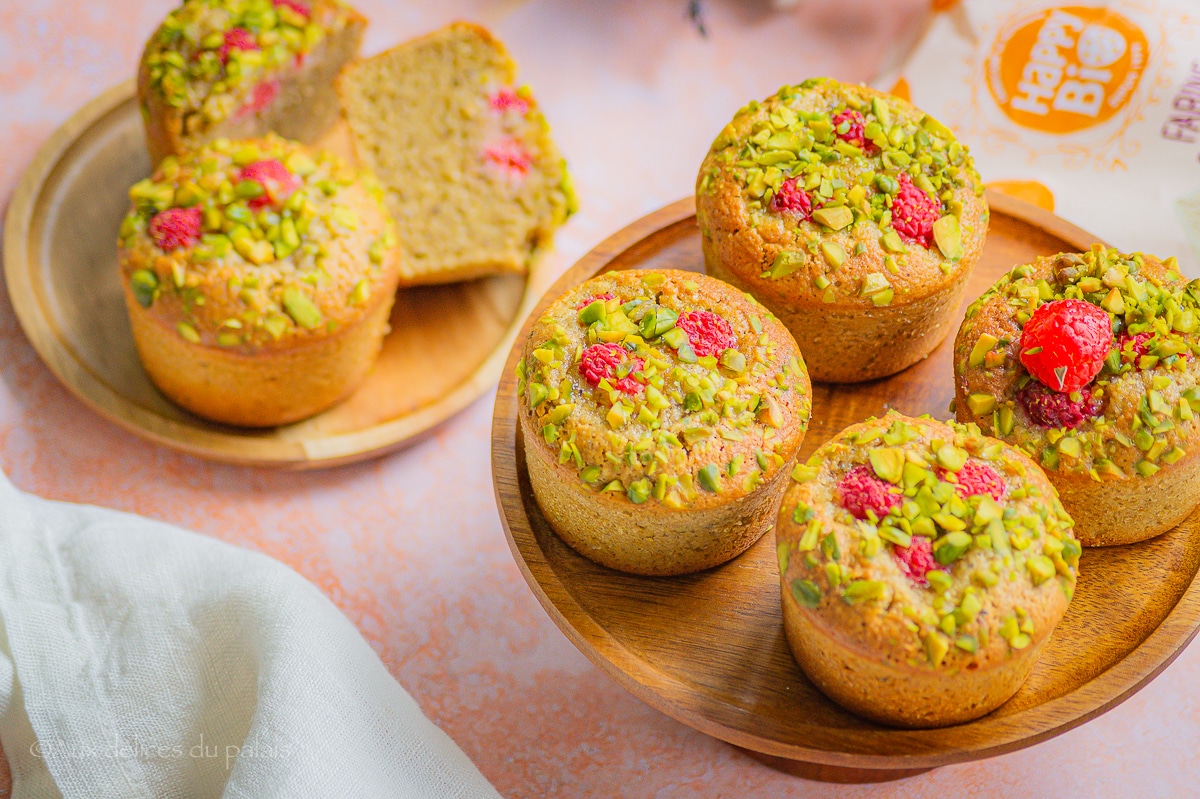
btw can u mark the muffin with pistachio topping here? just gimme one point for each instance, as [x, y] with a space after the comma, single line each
[241, 68]
[661, 413]
[1089, 362]
[923, 567]
[259, 276]
[855, 217]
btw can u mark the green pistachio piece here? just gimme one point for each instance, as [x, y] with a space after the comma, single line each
[144, 284]
[188, 332]
[882, 112]
[803, 473]
[983, 345]
[951, 547]
[537, 394]
[859, 591]
[951, 458]
[936, 648]
[981, 404]
[676, 338]
[300, 307]
[710, 478]
[948, 236]
[836, 217]
[639, 491]
[874, 283]
[806, 593]
[834, 255]
[733, 360]
[888, 463]
[785, 263]
[939, 580]
[595, 311]
[891, 242]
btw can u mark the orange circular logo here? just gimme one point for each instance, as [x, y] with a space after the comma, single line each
[1066, 69]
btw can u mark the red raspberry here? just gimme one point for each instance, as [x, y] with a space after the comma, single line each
[792, 199]
[854, 133]
[274, 177]
[237, 39]
[976, 479]
[511, 156]
[1070, 339]
[916, 559]
[861, 491]
[262, 96]
[176, 227]
[600, 361]
[914, 212]
[708, 333]
[1047, 408]
[590, 300]
[295, 5]
[508, 100]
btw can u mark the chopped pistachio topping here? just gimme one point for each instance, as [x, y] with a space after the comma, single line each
[665, 385]
[208, 56]
[969, 501]
[266, 252]
[831, 160]
[1145, 392]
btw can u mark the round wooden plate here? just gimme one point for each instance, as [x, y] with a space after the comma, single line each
[708, 649]
[446, 347]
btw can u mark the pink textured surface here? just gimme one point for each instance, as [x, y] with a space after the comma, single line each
[410, 547]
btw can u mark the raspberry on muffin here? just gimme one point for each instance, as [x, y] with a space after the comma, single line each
[661, 413]
[855, 217]
[931, 608]
[1086, 362]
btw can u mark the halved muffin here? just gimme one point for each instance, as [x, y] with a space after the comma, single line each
[473, 178]
[241, 68]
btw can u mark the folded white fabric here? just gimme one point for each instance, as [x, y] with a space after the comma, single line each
[140, 660]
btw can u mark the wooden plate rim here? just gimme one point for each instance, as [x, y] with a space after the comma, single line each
[209, 442]
[995, 736]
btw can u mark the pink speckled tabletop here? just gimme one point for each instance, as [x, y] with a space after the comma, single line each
[410, 546]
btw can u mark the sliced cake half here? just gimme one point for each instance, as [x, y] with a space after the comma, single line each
[473, 179]
[241, 68]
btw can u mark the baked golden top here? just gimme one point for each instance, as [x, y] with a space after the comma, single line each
[210, 57]
[839, 194]
[665, 386]
[1139, 414]
[257, 243]
[925, 543]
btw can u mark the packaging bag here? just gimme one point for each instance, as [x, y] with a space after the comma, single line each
[1088, 108]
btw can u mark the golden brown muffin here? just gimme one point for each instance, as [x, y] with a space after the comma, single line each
[241, 68]
[923, 567]
[661, 413]
[1088, 362]
[259, 277]
[855, 217]
[473, 178]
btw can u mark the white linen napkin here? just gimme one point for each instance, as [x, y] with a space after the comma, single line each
[140, 660]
